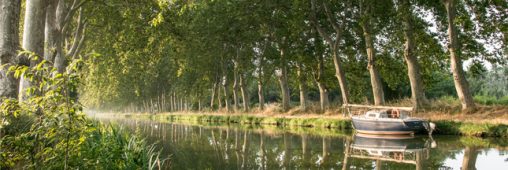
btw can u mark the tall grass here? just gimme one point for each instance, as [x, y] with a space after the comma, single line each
[101, 146]
[112, 147]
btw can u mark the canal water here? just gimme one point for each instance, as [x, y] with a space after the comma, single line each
[254, 147]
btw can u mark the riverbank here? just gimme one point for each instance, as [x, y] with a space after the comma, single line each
[444, 126]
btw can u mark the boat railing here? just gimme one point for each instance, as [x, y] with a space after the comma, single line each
[358, 109]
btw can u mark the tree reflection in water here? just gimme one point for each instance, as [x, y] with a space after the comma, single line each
[251, 147]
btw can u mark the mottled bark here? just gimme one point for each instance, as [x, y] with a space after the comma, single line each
[9, 44]
[225, 86]
[323, 90]
[341, 77]
[283, 82]
[181, 104]
[199, 104]
[261, 96]
[375, 79]
[323, 97]
[52, 33]
[236, 99]
[61, 12]
[212, 98]
[33, 38]
[302, 86]
[33, 28]
[245, 93]
[461, 84]
[219, 97]
[175, 106]
[413, 68]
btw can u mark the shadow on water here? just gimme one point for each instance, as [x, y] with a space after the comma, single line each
[254, 147]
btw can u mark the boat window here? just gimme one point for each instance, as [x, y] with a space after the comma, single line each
[372, 115]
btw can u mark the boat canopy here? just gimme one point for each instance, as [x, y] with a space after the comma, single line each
[386, 113]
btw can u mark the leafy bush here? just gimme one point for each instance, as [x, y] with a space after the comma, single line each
[491, 100]
[48, 129]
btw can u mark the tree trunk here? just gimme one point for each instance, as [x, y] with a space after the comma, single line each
[245, 93]
[219, 97]
[186, 103]
[9, 44]
[341, 77]
[284, 82]
[323, 90]
[59, 60]
[461, 84]
[33, 38]
[225, 85]
[199, 104]
[413, 69]
[173, 102]
[323, 97]
[52, 33]
[302, 86]
[182, 103]
[261, 96]
[236, 99]
[375, 79]
[212, 98]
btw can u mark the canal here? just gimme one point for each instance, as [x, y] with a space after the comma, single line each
[227, 146]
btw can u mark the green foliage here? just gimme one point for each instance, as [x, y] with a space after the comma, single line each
[108, 146]
[48, 129]
[471, 129]
[161, 48]
[491, 100]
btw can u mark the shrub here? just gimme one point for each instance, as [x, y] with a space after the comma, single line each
[48, 129]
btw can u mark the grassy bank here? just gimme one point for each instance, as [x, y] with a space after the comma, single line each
[444, 127]
[95, 146]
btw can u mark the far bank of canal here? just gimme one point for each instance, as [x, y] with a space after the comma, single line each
[444, 127]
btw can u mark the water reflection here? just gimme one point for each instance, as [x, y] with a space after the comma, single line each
[248, 147]
[399, 149]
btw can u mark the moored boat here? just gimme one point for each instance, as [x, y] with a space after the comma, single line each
[390, 122]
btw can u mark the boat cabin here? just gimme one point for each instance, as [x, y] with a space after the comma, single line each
[387, 113]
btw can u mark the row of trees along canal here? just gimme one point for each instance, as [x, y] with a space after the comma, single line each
[160, 55]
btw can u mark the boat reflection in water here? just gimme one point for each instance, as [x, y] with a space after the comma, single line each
[404, 149]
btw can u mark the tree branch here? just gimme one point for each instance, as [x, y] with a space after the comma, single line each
[77, 34]
[314, 20]
[72, 9]
[81, 42]
[330, 18]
